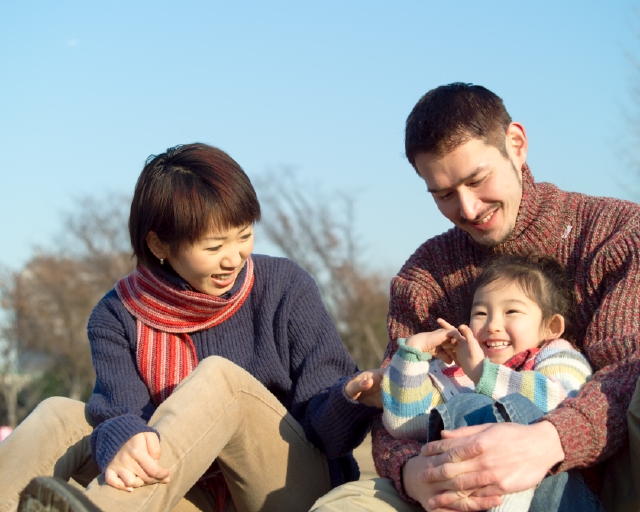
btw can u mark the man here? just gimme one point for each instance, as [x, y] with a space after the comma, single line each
[463, 144]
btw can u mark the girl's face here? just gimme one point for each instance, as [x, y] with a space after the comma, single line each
[212, 264]
[505, 321]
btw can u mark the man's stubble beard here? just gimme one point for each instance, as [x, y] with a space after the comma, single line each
[509, 232]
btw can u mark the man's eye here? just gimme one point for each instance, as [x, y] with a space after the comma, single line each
[446, 196]
[476, 183]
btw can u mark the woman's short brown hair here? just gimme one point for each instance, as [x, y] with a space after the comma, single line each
[184, 193]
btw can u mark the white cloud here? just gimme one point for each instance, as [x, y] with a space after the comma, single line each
[72, 42]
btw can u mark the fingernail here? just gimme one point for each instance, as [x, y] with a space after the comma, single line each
[128, 489]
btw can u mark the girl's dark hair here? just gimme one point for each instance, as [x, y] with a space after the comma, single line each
[184, 193]
[542, 279]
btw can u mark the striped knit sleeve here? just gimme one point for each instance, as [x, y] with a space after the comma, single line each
[408, 394]
[559, 372]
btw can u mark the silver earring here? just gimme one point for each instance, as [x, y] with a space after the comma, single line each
[161, 261]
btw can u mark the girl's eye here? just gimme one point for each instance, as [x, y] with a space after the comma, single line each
[479, 313]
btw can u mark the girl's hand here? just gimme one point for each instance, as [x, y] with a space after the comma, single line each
[430, 341]
[365, 388]
[468, 353]
[136, 464]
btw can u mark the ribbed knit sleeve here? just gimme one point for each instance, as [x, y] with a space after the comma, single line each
[120, 403]
[408, 394]
[559, 371]
[320, 369]
[592, 426]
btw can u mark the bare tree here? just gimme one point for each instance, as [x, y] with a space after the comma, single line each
[96, 233]
[48, 303]
[21, 382]
[319, 235]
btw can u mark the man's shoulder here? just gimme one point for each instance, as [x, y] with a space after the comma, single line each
[589, 205]
[601, 217]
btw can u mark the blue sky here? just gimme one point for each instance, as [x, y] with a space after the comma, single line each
[89, 89]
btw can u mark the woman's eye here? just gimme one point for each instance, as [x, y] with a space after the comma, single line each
[214, 249]
[511, 311]
[246, 237]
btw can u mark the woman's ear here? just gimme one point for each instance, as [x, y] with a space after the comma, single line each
[159, 250]
[555, 327]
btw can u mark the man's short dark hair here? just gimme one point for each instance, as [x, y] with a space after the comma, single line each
[451, 115]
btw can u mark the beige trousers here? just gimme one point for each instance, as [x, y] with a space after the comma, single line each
[219, 412]
[378, 494]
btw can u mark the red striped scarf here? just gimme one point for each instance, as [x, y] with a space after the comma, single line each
[165, 352]
[165, 314]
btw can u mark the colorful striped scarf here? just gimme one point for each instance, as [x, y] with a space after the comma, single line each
[165, 354]
[165, 314]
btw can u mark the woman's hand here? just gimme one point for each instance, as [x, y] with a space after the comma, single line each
[136, 464]
[467, 352]
[365, 388]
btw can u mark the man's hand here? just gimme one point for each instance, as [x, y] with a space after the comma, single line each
[488, 461]
[136, 464]
[365, 388]
[423, 491]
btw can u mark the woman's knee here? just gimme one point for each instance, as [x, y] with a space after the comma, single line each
[61, 413]
[213, 366]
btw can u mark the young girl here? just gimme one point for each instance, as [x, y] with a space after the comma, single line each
[509, 364]
[219, 375]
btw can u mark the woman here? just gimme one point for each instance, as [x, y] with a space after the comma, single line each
[219, 376]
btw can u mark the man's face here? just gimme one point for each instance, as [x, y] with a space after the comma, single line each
[476, 188]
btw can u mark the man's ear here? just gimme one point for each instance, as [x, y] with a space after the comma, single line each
[517, 144]
[159, 250]
[555, 327]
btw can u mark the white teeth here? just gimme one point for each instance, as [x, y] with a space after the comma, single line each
[487, 218]
[497, 344]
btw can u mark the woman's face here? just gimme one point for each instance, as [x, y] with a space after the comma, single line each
[212, 264]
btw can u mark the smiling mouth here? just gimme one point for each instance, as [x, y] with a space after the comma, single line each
[223, 279]
[485, 219]
[497, 344]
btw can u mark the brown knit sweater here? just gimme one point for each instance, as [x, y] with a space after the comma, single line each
[598, 240]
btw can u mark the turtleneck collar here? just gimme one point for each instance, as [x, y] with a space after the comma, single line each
[540, 222]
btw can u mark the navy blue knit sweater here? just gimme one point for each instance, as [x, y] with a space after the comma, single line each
[282, 335]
